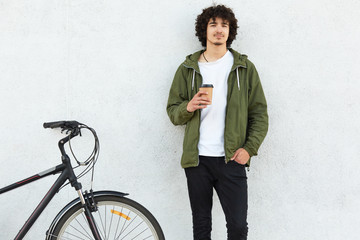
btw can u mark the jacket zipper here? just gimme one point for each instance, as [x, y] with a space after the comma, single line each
[192, 88]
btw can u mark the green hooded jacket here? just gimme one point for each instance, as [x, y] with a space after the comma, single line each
[246, 121]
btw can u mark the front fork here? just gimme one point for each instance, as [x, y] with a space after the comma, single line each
[89, 206]
[88, 203]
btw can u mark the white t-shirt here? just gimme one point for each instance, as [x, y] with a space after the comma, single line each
[212, 123]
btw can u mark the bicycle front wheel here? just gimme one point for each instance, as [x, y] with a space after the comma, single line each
[116, 218]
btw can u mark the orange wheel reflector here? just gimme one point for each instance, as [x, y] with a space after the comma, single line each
[120, 214]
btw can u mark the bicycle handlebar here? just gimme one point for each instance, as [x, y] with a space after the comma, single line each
[73, 129]
[62, 124]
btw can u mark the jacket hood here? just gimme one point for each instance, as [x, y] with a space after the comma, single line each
[191, 60]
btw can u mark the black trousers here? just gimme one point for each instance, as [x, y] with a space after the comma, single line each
[230, 182]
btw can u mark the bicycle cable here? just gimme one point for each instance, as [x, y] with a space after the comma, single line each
[91, 160]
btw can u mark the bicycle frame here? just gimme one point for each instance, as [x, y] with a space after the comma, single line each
[67, 173]
[47, 198]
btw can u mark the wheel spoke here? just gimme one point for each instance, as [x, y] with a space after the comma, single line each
[105, 224]
[133, 230]
[74, 236]
[122, 229]
[117, 227]
[139, 234]
[88, 235]
[111, 219]
[148, 237]
[102, 224]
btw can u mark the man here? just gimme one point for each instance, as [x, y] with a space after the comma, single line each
[219, 138]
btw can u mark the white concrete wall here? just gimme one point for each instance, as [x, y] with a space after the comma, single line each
[110, 64]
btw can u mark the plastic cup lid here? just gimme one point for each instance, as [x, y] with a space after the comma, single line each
[207, 86]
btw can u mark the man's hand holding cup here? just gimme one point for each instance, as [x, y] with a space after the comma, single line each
[201, 99]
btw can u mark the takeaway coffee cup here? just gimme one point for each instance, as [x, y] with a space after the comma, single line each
[209, 89]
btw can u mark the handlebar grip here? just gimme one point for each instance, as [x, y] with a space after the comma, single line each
[54, 124]
[62, 124]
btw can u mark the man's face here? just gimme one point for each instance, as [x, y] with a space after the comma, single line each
[217, 31]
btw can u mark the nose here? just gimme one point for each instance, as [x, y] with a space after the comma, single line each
[219, 29]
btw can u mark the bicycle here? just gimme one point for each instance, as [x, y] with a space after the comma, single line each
[99, 215]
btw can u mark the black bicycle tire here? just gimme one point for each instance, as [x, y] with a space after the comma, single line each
[106, 198]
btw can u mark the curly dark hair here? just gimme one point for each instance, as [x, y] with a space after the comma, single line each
[213, 12]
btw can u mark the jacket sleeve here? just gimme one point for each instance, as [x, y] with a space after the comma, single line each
[257, 114]
[178, 99]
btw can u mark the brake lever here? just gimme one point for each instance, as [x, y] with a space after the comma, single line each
[74, 131]
[71, 130]
[67, 130]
